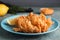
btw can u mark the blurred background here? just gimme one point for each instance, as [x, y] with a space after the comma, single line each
[34, 3]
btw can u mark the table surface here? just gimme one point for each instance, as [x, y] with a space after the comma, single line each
[4, 35]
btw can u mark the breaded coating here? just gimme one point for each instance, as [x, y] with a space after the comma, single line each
[33, 23]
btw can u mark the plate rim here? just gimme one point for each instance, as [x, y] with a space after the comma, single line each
[30, 33]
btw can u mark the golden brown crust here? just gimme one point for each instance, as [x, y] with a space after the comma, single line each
[33, 23]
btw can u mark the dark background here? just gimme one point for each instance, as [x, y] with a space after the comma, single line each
[35, 3]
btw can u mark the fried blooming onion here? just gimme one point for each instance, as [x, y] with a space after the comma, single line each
[32, 23]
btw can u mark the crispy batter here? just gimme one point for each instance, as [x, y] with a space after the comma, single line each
[33, 23]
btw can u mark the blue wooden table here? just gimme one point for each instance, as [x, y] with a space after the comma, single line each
[4, 35]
